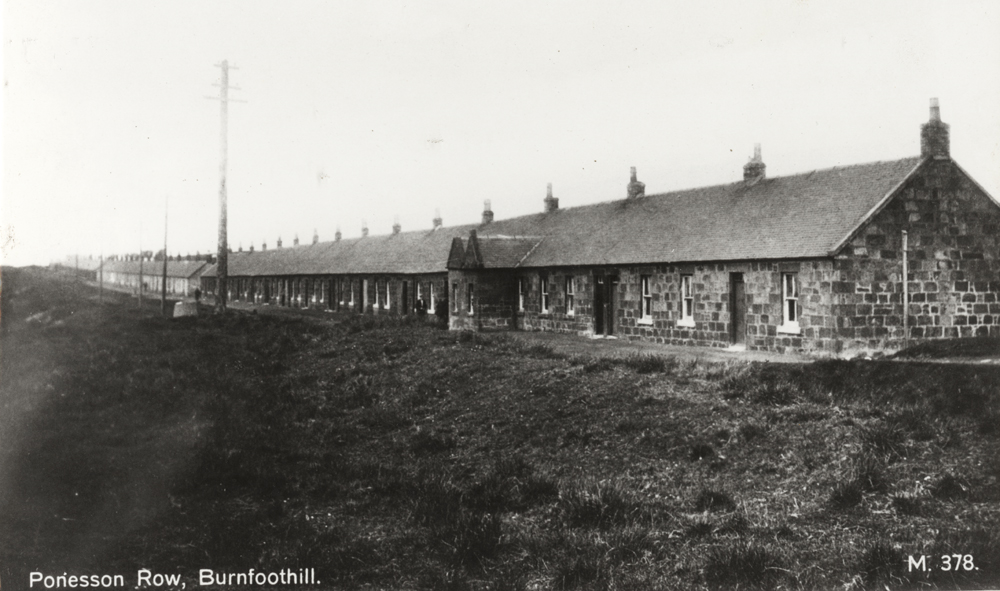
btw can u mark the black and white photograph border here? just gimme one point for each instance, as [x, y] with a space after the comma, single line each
[507, 296]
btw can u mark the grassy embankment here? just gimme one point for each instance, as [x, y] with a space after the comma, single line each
[389, 454]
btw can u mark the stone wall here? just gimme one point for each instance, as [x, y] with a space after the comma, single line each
[953, 279]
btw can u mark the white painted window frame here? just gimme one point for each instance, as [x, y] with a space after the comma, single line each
[789, 304]
[645, 300]
[570, 297]
[686, 303]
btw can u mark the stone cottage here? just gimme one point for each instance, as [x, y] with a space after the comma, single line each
[867, 256]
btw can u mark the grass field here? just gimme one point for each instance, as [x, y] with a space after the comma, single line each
[391, 454]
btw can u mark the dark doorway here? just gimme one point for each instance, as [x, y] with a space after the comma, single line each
[738, 309]
[604, 304]
[406, 297]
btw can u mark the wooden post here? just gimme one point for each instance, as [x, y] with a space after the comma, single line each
[163, 288]
[222, 265]
[906, 294]
[140, 265]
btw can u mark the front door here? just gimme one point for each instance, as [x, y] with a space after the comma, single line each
[738, 308]
[604, 304]
[610, 288]
[405, 301]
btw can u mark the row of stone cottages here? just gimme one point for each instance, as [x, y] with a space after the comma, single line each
[808, 262]
[183, 276]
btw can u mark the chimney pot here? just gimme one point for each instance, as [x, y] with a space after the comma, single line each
[396, 227]
[337, 235]
[437, 218]
[934, 135]
[295, 241]
[487, 212]
[551, 203]
[635, 188]
[755, 169]
[315, 236]
[364, 227]
[279, 241]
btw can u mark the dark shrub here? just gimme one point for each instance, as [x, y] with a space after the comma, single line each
[511, 485]
[846, 495]
[429, 442]
[475, 536]
[907, 505]
[751, 431]
[868, 473]
[949, 487]
[700, 451]
[714, 500]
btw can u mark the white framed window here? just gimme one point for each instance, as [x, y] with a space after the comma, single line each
[430, 288]
[520, 294]
[364, 294]
[544, 290]
[687, 302]
[789, 303]
[570, 297]
[454, 296]
[387, 302]
[468, 297]
[646, 303]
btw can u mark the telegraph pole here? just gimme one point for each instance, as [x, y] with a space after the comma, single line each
[163, 288]
[140, 264]
[222, 266]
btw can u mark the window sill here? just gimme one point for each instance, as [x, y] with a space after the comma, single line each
[645, 321]
[686, 323]
[790, 329]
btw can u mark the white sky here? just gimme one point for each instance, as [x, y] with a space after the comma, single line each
[370, 110]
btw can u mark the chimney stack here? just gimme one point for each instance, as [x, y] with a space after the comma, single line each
[251, 247]
[551, 203]
[337, 235]
[315, 236]
[635, 188]
[754, 170]
[934, 141]
[437, 218]
[241, 247]
[487, 212]
[395, 225]
[295, 241]
[364, 228]
[279, 241]
[263, 245]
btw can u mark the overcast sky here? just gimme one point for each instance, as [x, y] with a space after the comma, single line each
[372, 110]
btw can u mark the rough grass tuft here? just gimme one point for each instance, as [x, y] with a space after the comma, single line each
[603, 504]
[745, 564]
[714, 500]
[881, 562]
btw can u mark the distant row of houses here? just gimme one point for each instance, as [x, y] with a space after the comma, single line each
[866, 256]
[183, 276]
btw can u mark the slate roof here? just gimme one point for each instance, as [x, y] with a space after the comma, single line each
[800, 216]
[417, 252]
[807, 215]
[84, 263]
[184, 269]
